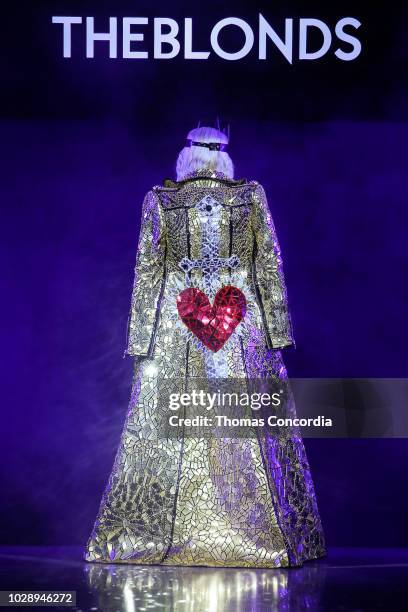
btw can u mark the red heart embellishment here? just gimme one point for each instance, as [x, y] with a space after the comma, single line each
[213, 325]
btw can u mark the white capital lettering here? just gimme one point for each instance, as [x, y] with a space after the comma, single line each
[169, 38]
[352, 40]
[304, 24]
[92, 36]
[249, 38]
[285, 47]
[66, 31]
[129, 37]
[188, 42]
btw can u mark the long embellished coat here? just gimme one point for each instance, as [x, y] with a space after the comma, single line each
[209, 301]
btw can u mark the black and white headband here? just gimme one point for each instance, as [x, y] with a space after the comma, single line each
[213, 146]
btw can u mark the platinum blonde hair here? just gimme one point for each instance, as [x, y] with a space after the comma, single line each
[195, 158]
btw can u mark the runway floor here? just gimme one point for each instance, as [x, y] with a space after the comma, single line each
[348, 579]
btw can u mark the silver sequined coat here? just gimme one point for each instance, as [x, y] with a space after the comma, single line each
[220, 501]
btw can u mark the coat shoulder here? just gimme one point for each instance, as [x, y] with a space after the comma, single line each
[178, 194]
[171, 184]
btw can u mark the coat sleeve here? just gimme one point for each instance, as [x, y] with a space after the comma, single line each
[268, 274]
[148, 280]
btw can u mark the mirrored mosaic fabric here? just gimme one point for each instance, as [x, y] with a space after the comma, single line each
[247, 502]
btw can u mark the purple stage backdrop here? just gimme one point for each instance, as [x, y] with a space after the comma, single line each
[79, 151]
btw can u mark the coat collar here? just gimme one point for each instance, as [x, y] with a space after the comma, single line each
[203, 174]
